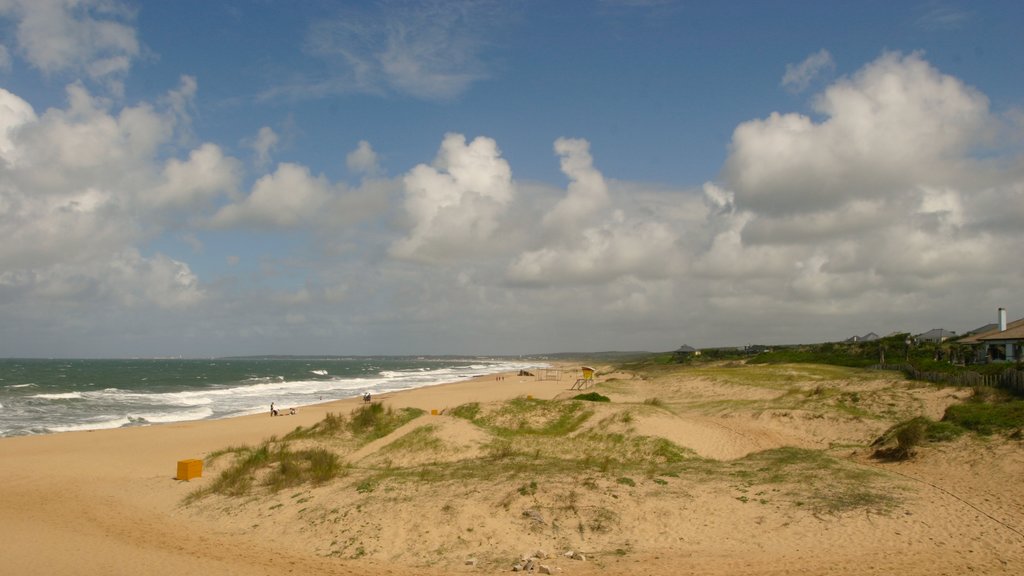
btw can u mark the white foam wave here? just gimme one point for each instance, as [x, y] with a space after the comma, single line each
[29, 385]
[181, 416]
[109, 422]
[319, 372]
[61, 396]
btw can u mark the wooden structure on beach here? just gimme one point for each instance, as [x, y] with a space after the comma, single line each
[586, 380]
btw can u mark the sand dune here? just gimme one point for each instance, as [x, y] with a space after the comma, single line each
[773, 479]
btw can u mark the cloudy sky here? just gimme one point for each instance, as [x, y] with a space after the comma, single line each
[500, 177]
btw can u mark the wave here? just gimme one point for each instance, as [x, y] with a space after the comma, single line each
[61, 396]
[161, 418]
[107, 422]
[96, 424]
[135, 405]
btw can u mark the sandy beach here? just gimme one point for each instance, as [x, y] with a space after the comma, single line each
[107, 502]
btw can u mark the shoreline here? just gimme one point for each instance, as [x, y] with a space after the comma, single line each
[100, 413]
[107, 501]
[759, 487]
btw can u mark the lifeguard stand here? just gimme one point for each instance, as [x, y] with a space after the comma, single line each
[586, 380]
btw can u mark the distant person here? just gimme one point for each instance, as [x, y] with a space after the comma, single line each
[366, 396]
[273, 411]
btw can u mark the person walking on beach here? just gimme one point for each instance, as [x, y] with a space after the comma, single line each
[273, 411]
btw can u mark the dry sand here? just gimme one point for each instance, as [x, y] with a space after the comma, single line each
[106, 502]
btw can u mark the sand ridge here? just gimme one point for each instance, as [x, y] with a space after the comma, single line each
[106, 501]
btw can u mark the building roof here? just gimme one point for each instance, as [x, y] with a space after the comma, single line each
[993, 331]
[1014, 333]
[938, 334]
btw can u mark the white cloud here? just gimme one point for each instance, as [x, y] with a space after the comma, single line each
[363, 160]
[90, 37]
[455, 205]
[82, 187]
[287, 198]
[205, 175]
[799, 76]
[14, 113]
[878, 210]
[896, 124]
[612, 249]
[588, 192]
[593, 238]
[265, 142]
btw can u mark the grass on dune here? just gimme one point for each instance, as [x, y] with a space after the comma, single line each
[554, 439]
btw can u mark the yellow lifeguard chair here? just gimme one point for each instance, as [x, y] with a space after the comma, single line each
[586, 380]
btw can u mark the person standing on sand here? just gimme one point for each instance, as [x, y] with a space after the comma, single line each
[273, 412]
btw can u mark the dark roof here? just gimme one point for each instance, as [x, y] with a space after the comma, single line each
[987, 334]
[936, 334]
[982, 329]
[1015, 333]
[685, 348]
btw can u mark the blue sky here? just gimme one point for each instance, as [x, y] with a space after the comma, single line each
[213, 178]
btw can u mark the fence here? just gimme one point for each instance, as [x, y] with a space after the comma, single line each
[1012, 380]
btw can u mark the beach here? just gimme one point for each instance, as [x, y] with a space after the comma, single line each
[108, 502]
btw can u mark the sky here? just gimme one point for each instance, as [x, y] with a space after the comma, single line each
[196, 178]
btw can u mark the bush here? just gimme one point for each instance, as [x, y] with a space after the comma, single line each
[592, 397]
[987, 418]
[908, 435]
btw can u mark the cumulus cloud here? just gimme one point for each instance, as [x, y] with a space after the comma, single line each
[89, 38]
[264, 143]
[82, 187]
[363, 160]
[454, 206]
[593, 238]
[588, 192]
[888, 203]
[288, 197]
[205, 175]
[799, 76]
[895, 124]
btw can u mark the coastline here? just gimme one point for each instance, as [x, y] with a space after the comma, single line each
[107, 502]
[760, 492]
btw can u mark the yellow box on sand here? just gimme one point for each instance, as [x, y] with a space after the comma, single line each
[189, 469]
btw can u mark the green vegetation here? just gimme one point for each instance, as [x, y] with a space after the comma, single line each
[947, 358]
[555, 440]
[809, 479]
[987, 417]
[275, 465]
[988, 412]
[592, 397]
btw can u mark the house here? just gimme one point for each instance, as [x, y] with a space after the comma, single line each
[1000, 342]
[870, 336]
[685, 352]
[936, 335]
[1005, 345]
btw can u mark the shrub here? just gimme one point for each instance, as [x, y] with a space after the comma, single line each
[592, 397]
[987, 418]
[466, 411]
[908, 435]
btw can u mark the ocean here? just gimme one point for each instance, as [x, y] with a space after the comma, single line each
[40, 396]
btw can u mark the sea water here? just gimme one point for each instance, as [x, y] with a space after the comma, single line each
[44, 396]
